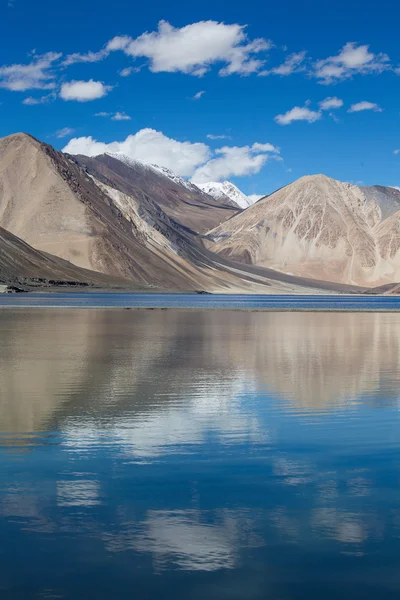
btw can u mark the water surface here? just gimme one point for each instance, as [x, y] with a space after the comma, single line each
[289, 302]
[199, 454]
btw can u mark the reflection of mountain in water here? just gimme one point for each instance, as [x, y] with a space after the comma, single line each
[160, 388]
[176, 373]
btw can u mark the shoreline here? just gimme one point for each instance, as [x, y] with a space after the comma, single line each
[205, 308]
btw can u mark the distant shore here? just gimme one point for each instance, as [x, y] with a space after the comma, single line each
[178, 301]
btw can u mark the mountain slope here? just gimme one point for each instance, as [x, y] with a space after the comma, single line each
[20, 263]
[189, 206]
[320, 228]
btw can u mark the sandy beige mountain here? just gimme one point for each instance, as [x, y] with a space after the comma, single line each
[102, 218]
[320, 228]
[20, 264]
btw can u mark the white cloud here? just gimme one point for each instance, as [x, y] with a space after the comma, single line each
[351, 60]
[35, 75]
[234, 161]
[84, 91]
[210, 136]
[198, 95]
[89, 57]
[187, 159]
[330, 103]
[298, 113]
[364, 105]
[396, 151]
[120, 42]
[121, 116]
[118, 116]
[64, 132]
[31, 101]
[194, 48]
[150, 146]
[293, 64]
[126, 72]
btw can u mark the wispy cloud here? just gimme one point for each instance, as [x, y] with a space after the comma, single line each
[198, 95]
[331, 103]
[294, 63]
[397, 151]
[352, 59]
[89, 57]
[298, 113]
[64, 132]
[364, 105]
[37, 74]
[121, 116]
[33, 101]
[117, 116]
[211, 136]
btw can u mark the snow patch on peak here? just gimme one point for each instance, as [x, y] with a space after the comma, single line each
[175, 178]
[226, 189]
[127, 160]
[135, 162]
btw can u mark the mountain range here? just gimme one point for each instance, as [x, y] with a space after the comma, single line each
[111, 220]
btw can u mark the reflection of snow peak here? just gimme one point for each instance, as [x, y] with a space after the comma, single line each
[215, 408]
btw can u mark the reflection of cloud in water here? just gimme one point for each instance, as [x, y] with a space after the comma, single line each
[191, 539]
[181, 537]
[78, 493]
[187, 421]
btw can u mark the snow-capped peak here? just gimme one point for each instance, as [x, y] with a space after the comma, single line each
[134, 162]
[175, 178]
[219, 190]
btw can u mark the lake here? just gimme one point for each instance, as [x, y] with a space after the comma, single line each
[199, 454]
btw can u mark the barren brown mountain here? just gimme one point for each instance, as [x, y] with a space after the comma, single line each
[320, 228]
[100, 215]
[20, 264]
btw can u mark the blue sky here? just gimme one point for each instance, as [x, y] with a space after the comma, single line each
[348, 51]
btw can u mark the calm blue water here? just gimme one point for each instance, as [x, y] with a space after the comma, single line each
[199, 454]
[234, 301]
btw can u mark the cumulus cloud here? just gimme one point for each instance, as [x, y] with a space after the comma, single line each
[234, 161]
[84, 91]
[192, 49]
[364, 105]
[64, 132]
[210, 136]
[293, 64]
[330, 103]
[351, 60]
[397, 151]
[37, 74]
[150, 146]
[298, 113]
[198, 95]
[187, 159]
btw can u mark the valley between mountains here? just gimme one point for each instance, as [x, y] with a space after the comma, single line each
[112, 222]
